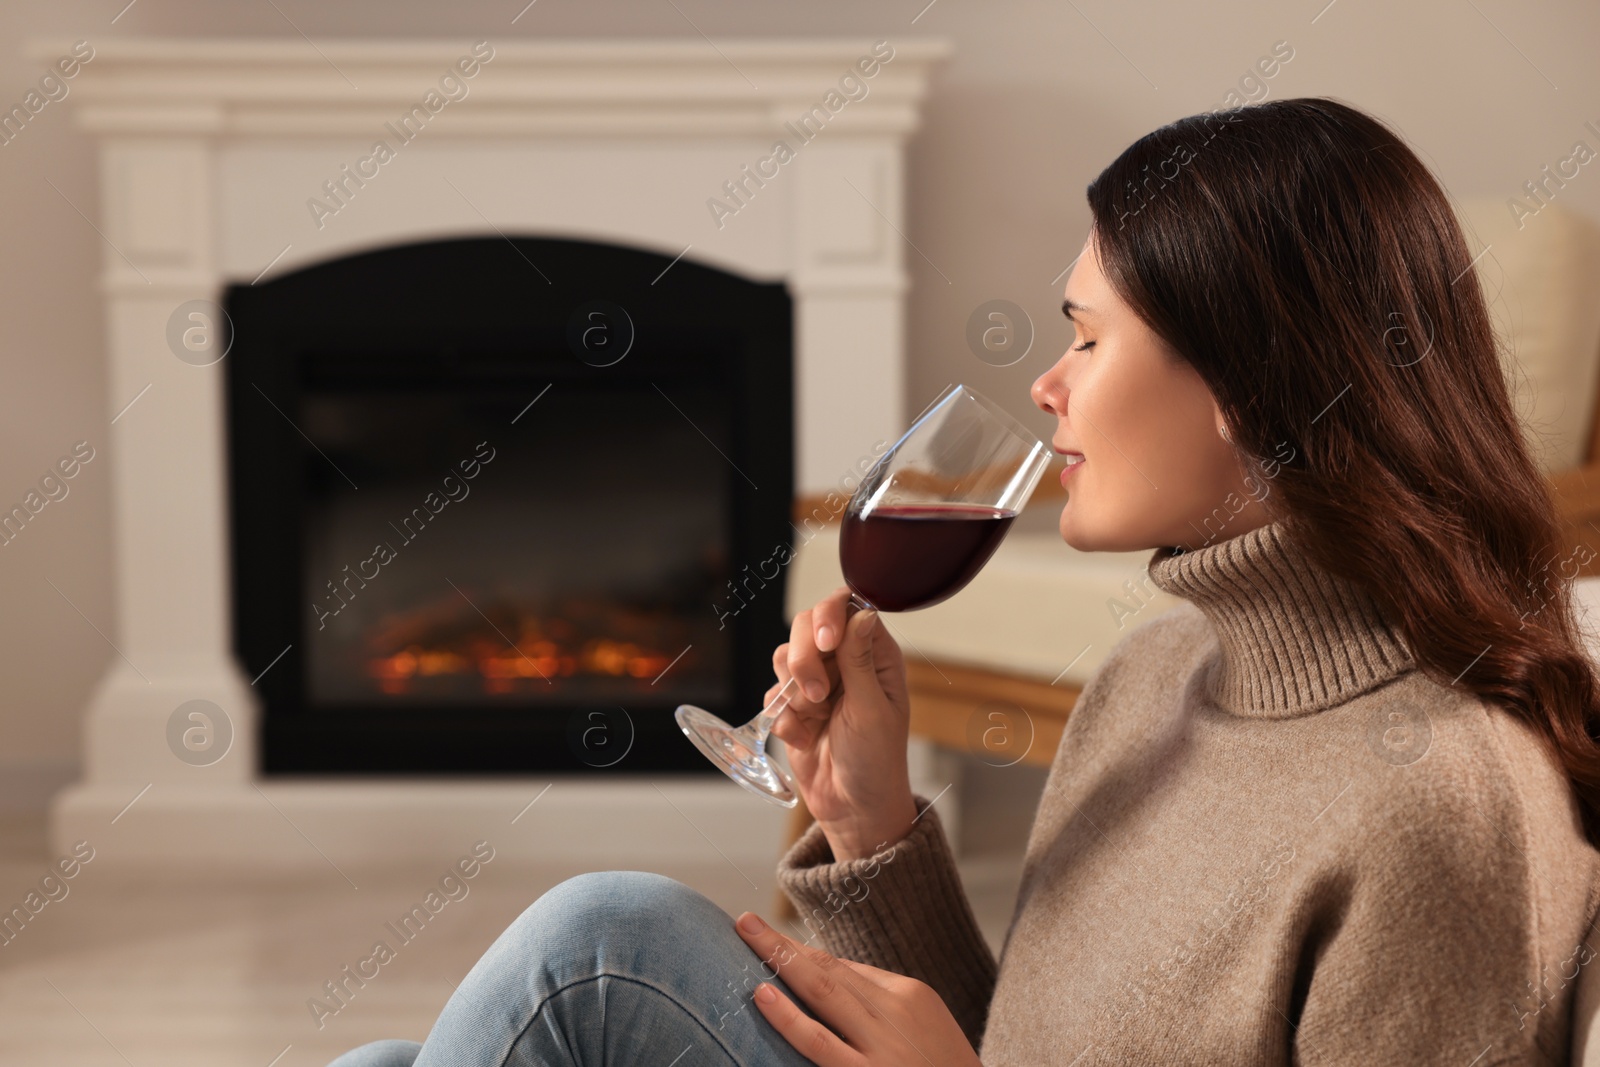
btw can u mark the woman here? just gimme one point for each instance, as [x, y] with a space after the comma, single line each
[1338, 807]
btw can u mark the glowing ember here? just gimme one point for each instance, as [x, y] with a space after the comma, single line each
[543, 649]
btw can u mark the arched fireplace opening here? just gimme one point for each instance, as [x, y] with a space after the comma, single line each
[491, 499]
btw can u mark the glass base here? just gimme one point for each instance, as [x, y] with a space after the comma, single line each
[737, 753]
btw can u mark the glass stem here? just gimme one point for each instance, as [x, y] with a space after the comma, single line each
[759, 727]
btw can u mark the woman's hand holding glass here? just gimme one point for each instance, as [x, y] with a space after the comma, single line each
[847, 724]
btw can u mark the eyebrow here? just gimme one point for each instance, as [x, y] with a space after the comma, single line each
[1069, 306]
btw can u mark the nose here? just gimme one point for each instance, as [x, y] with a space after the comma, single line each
[1049, 392]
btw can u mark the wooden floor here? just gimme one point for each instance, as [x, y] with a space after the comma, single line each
[179, 973]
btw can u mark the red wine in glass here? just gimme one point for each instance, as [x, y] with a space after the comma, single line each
[900, 557]
[923, 521]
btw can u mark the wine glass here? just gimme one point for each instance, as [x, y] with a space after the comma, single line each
[923, 521]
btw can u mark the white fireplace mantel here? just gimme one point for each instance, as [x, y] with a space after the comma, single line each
[212, 154]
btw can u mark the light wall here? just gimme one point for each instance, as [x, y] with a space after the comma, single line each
[1036, 100]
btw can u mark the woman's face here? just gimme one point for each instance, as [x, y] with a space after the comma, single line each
[1156, 471]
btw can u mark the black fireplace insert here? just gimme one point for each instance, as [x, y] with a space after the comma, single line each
[490, 499]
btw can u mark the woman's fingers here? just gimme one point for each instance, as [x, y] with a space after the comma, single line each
[814, 634]
[808, 1037]
[828, 987]
[874, 977]
[797, 729]
[807, 658]
[786, 688]
[828, 618]
[805, 661]
[795, 732]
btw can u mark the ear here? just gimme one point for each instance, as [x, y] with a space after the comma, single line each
[1220, 422]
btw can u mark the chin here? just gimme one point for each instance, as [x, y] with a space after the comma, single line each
[1074, 534]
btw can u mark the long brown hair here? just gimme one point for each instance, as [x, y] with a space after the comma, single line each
[1309, 267]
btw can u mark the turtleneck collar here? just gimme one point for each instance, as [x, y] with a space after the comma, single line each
[1294, 638]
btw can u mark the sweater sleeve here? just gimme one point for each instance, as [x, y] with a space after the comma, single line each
[901, 909]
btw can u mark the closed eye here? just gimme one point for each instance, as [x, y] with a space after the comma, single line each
[1084, 347]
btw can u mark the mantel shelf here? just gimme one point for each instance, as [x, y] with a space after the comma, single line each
[580, 87]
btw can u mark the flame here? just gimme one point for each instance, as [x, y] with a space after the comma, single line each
[534, 657]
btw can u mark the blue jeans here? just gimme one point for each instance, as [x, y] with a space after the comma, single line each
[615, 967]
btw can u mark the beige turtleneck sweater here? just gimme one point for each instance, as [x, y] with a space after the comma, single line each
[1266, 838]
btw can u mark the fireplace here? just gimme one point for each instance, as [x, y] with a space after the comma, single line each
[597, 158]
[489, 497]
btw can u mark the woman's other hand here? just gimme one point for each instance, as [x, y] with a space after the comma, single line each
[846, 726]
[874, 1017]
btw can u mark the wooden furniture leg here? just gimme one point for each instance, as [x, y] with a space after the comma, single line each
[799, 821]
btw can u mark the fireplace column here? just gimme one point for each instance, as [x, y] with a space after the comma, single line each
[169, 495]
[849, 284]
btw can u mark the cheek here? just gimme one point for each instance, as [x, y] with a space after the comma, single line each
[1150, 453]
[1122, 425]
[1115, 424]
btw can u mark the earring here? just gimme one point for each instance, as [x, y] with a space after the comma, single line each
[1223, 430]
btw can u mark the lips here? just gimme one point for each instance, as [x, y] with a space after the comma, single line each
[1074, 461]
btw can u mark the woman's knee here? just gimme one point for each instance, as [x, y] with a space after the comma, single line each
[656, 953]
[605, 922]
[619, 904]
